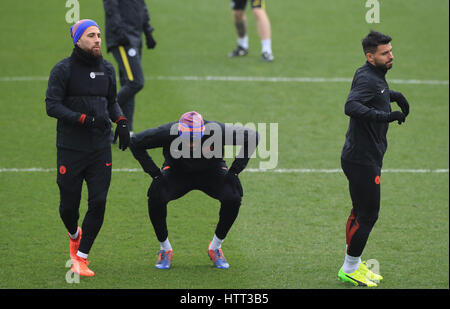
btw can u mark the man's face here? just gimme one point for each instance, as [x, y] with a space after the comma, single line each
[382, 58]
[91, 41]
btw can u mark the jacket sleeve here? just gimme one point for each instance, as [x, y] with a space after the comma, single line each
[149, 139]
[146, 27]
[394, 95]
[112, 13]
[240, 136]
[356, 105]
[56, 93]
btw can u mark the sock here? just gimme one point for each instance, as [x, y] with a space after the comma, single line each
[82, 255]
[351, 263]
[165, 245]
[266, 46]
[216, 243]
[243, 42]
[74, 236]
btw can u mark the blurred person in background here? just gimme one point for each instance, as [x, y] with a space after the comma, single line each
[263, 25]
[125, 22]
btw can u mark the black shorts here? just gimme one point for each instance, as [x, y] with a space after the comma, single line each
[240, 4]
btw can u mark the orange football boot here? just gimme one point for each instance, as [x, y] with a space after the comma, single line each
[80, 266]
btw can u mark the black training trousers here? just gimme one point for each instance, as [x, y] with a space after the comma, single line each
[364, 185]
[173, 185]
[74, 167]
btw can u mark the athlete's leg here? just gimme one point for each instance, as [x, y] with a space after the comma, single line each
[264, 28]
[240, 23]
[364, 183]
[70, 181]
[98, 179]
[212, 183]
[263, 23]
[170, 186]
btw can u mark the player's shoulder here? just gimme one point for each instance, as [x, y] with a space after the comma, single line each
[363, 70]
[363, 75]
[165, 129]
[62, 67]
[62, 64]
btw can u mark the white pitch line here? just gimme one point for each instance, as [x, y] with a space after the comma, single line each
[248, 79]
[250, 170]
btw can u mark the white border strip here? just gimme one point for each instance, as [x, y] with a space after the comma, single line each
[338, 170]
[250, 170]
[248, 79]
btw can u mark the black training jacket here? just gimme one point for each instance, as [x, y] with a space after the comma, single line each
[80, 85]
[216, 136]
[129, 18]
[368, 105]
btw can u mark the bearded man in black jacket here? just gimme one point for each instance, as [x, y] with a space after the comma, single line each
[369, 107]
[81, 95]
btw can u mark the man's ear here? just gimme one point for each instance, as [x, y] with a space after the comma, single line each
[370, 57]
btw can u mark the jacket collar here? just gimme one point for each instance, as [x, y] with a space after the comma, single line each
[380, 72]
[85, 57]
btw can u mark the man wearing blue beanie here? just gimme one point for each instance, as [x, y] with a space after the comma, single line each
[81, 95]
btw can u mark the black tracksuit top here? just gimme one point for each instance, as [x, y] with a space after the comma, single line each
[163, 137]
[368, 105]
[129, 18]
[79, 85]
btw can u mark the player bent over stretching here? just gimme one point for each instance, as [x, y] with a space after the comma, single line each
[193, 151]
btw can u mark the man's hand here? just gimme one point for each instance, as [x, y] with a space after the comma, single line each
[122, 39]
[123, 133]
[397, 115]
[95, 122]
[151, 43]
[232, 179]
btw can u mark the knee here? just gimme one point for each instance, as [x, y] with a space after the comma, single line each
[156, 200]
[232, 201]
[368, 220]
[239, 15]
[259, 13]
[68, 210]
[133, 86]
[97, 205]
[137, 84]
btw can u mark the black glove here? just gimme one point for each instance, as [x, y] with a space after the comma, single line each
[96, 122]
[232, 179]
[122, 38]
[397, 115]
[402, 103]
[151, 43]
[123, 133]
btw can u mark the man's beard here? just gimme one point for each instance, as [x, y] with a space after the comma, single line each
[96, 52]
[384, 66]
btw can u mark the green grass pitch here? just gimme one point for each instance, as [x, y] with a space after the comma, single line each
[290, 233]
